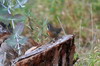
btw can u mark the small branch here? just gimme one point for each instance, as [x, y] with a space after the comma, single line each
[91, 19]
[61, 25]
[13, 24]
[20, 3]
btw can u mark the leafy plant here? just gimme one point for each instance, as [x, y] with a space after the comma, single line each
[7, 15]
[7, 7]
[16, 40]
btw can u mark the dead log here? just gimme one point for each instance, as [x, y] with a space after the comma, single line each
[58, 53]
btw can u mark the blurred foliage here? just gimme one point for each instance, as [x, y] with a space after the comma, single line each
[70, 13]
[16, 38]
[92, 60]
[8, 8]
[79, 17]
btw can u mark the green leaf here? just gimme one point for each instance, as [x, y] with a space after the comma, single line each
[76, 56]
[3, 11]
[11, 41]
[15, 38]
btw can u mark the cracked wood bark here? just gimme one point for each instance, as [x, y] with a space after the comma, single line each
[58, 53]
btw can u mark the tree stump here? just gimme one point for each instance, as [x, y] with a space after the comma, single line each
[58, 53]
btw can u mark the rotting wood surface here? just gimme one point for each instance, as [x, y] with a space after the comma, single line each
[58, 53]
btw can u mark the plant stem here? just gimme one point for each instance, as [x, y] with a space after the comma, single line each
[61, 25]
[13, 24]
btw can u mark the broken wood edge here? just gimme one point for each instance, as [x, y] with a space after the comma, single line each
[44, 47]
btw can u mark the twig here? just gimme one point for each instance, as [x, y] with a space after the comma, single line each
[80, 31]
[91, 19]
[13, 24]
[61, 25]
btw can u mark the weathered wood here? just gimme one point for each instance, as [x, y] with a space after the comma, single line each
[3, 37]
[58, 53]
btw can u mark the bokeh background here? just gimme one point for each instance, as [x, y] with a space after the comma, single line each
[78, 17]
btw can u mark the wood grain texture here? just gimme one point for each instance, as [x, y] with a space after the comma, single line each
[58, 53]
